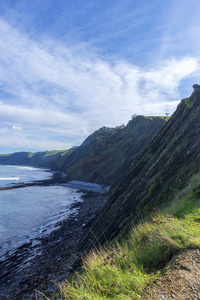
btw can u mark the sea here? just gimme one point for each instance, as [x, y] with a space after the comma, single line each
[30, 212]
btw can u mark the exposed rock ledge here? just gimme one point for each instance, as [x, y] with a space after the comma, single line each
[180, 282]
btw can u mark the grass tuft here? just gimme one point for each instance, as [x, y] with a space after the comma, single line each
[122, 270]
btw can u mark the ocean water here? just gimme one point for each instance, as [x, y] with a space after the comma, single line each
[15, 175]
[30, 212]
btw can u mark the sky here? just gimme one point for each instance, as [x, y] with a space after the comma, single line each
[70, 67]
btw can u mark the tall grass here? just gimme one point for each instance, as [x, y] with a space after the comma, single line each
[122, 270]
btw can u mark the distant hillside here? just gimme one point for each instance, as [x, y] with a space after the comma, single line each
[101, 156]
[38, 159]
[163, 168]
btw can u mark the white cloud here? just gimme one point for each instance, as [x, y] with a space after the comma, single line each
[85, 131]
[22, 141]
[19, 128]
[58, 95]
[36, 116]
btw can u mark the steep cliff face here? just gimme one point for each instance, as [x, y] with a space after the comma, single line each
[163, 167]
[109, 150]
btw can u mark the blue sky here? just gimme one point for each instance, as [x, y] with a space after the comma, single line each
[69, 67]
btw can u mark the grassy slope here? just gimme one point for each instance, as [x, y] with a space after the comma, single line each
[121, 270]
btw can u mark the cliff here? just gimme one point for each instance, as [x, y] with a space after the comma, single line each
[166, 165]
[109, 151]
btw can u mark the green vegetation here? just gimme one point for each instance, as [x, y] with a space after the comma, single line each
[30, 154]
[166, 118]
[188, 102]
[121, 270]
[54, 152]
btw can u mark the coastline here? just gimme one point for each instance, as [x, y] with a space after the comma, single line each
[41, 263]
[57, 178]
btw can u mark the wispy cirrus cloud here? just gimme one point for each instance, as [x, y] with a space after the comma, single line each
[181, 25]
[59, 94]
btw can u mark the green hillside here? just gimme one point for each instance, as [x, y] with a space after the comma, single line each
[39, 159]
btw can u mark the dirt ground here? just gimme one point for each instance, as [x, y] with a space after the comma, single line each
[181, 281]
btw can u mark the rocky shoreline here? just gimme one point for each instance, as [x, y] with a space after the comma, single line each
[43, 262]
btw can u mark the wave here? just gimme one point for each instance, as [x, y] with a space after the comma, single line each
[14, 175]
[9, 178]
[27, 168]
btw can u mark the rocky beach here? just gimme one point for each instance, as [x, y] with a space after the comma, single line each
[40, 264]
